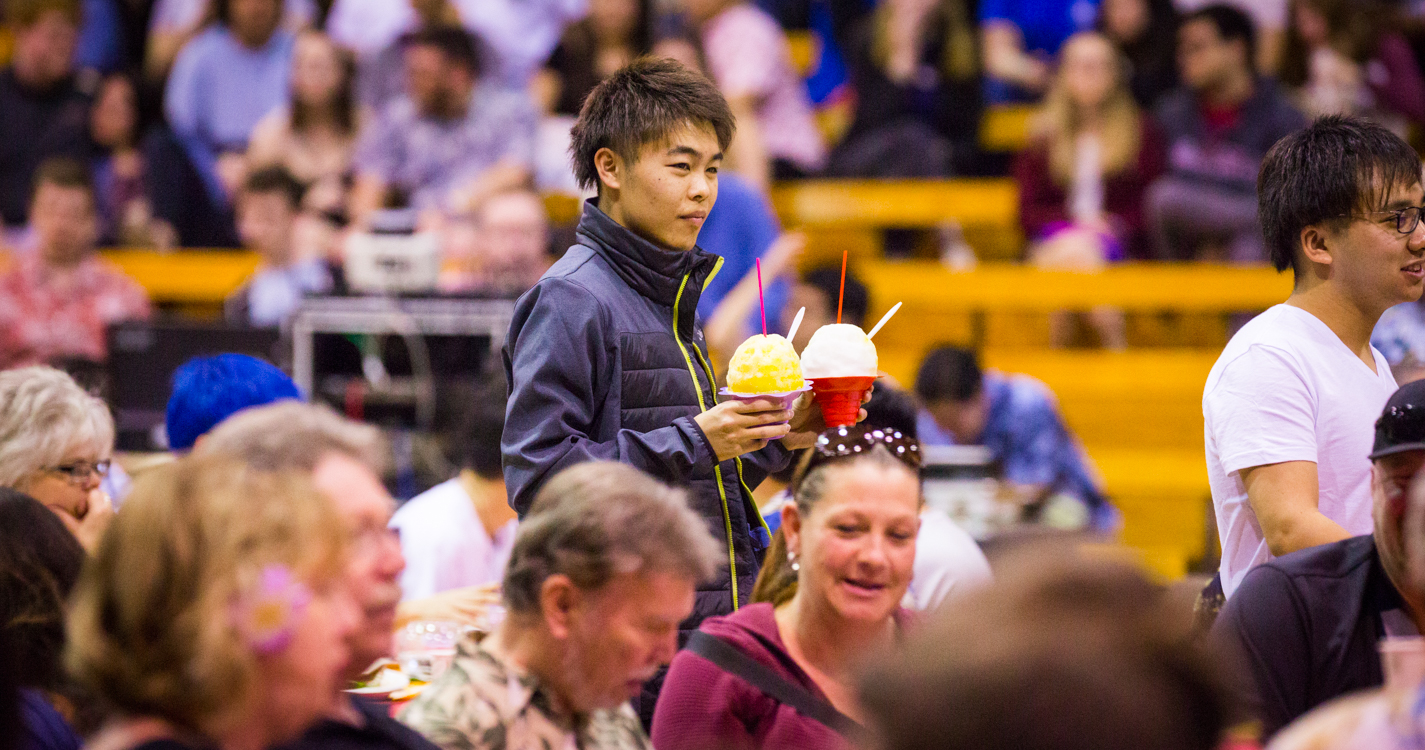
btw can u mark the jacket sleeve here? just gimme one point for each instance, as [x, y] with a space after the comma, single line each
[1262, 627]
[561, 362]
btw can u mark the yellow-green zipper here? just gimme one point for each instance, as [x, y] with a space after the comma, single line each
[702, 406]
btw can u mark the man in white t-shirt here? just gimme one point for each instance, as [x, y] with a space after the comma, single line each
[1289, 406]
[460, 533]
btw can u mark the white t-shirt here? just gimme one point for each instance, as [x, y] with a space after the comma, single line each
[445, 545]
[1286, 388]
[948, 562]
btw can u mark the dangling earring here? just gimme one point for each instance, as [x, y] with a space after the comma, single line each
[792, 559]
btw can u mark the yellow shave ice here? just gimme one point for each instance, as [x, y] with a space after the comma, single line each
[765, 364]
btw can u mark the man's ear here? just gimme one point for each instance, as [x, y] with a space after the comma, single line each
[1316, 244]
[558, 598]
[610, 168]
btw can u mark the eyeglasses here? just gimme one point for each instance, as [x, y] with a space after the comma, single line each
[1402, 424]
[850, 442]
[1406, 219]
[78, 472]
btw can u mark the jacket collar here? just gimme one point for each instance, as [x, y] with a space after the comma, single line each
[653, 272]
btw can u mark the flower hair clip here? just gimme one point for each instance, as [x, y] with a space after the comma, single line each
[267, 611]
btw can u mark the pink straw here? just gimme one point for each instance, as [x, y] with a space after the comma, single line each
[761, 301]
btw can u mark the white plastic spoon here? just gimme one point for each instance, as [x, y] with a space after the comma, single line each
[884, 318]
[796, 323]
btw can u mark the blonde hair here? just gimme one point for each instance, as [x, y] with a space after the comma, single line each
[151, 629]
[43, 414]
[1059, 121]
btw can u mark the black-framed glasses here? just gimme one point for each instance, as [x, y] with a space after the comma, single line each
[1406, 219]
[78, 472]
[1400, 425]
[850, 442]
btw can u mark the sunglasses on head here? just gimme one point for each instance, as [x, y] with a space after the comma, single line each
[850, 442]
[1403, 424]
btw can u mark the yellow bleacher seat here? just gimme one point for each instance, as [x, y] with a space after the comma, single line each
[1005, 127]
[197, 278]
[563, 208]
[804, 47]
[849, 214]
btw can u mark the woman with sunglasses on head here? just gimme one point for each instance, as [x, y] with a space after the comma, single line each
[777, 673]
[56, 441]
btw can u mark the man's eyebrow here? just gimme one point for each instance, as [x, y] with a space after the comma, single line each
[691, 152]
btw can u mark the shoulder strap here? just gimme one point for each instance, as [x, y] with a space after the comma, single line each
[733, 661]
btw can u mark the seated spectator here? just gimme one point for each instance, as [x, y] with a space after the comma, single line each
[1385, 718]
[208, 390]
[342, 457]
[829, 595]
[917, 84]
[459, 533]
[750, 62]
[56, 445]
[45, 111]
[121, 169]
[1270, 19]
[1042, 464]
[1019, 38]
[217, 611]
[509, 250]
[312, 136]
[948, 561]
[57, 301]
[1081, 182]
[613, 34]
[224, 81]
[1218, 128]
[1345, 58]
[1070, 654]
[171, 24]
[1306, 624]
[603, 570]
[268, 209]
[1400, 337]
[372, 30]
[453, 140]
[1146, 34]
[39, 564]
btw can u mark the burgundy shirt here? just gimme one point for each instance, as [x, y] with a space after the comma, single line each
[703, 707]
[1043, 201]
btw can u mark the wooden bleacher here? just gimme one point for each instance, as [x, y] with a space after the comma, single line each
[1137, 412]
[850, 215]
[195, 281]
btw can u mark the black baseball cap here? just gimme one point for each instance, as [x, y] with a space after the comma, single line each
[1401, 426]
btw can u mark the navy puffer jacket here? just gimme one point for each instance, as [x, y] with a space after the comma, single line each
[606, 361]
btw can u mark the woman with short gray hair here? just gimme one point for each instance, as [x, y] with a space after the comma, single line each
[603, 570]
[56, 442]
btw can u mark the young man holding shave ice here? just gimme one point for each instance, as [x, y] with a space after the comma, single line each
[1290, 403]
[605, 357]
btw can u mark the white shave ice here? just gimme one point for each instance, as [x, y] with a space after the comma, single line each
[839, 350]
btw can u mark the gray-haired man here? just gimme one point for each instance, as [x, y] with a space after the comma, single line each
[603, 570]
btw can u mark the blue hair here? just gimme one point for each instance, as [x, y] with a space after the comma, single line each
[207, 390]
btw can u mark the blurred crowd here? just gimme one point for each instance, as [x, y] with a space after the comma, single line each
[284, 127]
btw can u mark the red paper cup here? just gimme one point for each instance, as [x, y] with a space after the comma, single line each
[840, 398]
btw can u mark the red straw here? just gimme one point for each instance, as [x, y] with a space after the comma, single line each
[842, 296]
[761, 301]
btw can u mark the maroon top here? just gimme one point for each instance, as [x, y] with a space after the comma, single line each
[1043, 202]
[702, 707]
